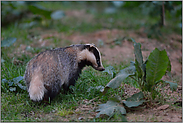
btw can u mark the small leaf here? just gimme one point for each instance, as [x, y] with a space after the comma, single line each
[100, 87]
[17, 79]
[173, 86]
[110, 70]
[56, 15]
[10, 83]
[21, 86]
[12, 88]
[109, 108]
[2, 60]
[4, 81]
[8, 42]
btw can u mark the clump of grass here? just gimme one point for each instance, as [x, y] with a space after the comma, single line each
[64, 112]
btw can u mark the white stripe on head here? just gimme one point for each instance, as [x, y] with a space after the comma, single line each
[88, 55]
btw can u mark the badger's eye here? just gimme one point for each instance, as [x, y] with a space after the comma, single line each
[98, 61]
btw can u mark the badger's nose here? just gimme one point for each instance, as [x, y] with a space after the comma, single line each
[101, 68]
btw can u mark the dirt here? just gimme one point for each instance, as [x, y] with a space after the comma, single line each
[155, 115]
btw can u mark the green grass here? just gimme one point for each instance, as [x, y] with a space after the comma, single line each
[16, 105]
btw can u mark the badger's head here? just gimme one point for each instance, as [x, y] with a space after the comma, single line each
[90, 55]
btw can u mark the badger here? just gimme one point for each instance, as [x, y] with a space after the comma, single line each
[52, 70]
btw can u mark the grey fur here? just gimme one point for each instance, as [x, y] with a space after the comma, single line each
[56, 69]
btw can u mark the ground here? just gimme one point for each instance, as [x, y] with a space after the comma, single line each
[124, 53]
[115, 49]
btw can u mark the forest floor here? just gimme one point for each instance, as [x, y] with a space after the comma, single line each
[124, 53]
[113, 54]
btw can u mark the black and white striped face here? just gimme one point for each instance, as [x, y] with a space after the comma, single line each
[91, 54]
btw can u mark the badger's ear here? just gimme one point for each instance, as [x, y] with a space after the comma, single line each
[87, 46]
[90, 47]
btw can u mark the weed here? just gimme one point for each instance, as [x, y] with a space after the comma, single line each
[147, 76]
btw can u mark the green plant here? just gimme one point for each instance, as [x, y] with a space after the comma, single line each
[13, 85]
[147, 74]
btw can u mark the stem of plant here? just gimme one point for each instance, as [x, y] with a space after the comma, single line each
[134, 78]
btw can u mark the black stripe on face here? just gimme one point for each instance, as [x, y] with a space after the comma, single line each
[96, 54]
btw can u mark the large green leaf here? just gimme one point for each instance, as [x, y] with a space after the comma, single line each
[128, 70]
[156, 67]
[8, 42]
[135, 100]
[136, 97]
[116, 82]
[131, 104]
[123, 74]
[110, 108]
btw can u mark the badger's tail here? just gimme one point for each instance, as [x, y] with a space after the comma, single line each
[36, 89]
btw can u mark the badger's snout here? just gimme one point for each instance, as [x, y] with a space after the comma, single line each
[101, 68]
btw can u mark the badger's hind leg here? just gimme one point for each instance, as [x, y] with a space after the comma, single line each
[36, 89]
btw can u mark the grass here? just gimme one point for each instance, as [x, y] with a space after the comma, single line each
[16, 106]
